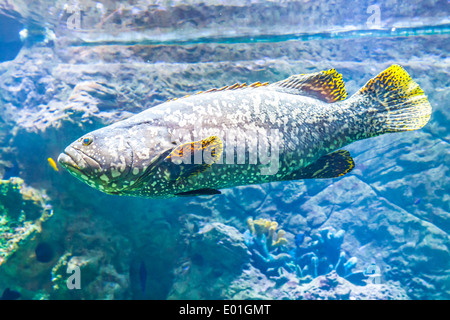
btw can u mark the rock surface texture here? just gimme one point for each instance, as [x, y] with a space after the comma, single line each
[394, 207]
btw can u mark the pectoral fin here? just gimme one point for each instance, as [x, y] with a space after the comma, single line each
[332, 165]
[200, 192]
[192, 158]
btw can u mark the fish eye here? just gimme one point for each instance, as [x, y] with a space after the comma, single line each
[87, 141]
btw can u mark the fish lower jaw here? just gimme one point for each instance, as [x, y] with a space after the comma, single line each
[67, 162]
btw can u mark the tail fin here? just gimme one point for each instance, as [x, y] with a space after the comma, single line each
[396, 101]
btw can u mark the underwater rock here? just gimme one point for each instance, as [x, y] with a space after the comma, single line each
[90, 103]
[219, 240]
[87, 277]
[96, 251]
[323, 254]
[23, 209]
[333, 287]
[216, 254]
[96, 102]
[146, 20]
[252, 284]
[102, 93]
[234, 206]
[10, 43]
[379, 231]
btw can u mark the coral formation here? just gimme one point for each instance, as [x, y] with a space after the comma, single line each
[24, 211]
[324, 255]
[320, 256]
[263, 240]
[215, 253]
[252, 284]
[266, 230]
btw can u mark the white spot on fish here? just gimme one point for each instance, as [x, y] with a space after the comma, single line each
[115, 173]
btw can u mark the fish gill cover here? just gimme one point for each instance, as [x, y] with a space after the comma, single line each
[378, 232]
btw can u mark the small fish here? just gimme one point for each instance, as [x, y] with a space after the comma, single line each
[44, 252]
[299, 237]
[245, 134]
[11, 171]
[52, 164]
[9, 294]
[358, 277]
[143, 277]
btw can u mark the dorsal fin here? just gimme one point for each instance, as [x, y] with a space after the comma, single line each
[324, 85]
[232, 87]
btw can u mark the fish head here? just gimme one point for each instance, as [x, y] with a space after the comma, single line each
[102, 158]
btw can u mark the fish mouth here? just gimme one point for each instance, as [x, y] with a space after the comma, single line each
[67, 162]
[75, 160]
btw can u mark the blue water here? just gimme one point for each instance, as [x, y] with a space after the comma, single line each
[379, 232]
[10, 43]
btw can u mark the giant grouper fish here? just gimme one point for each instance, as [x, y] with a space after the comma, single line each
[245, 134]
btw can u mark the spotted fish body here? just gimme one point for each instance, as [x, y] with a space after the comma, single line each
[241, 135]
